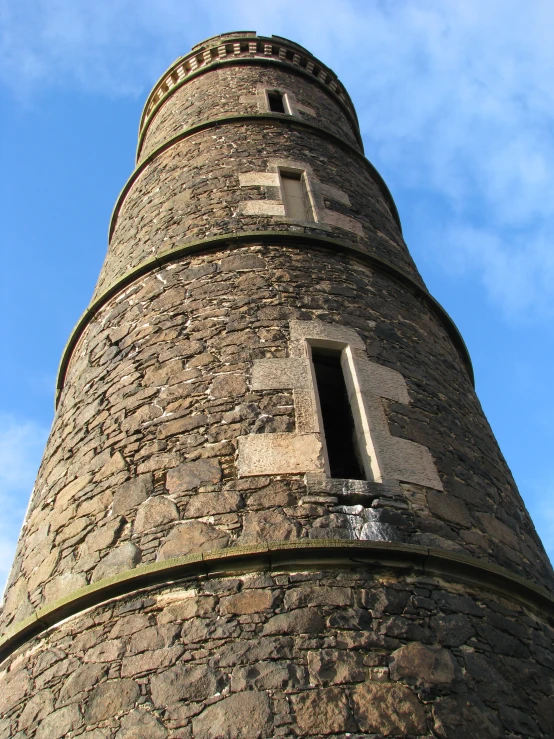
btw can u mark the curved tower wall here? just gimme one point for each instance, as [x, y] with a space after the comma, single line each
[189, 565]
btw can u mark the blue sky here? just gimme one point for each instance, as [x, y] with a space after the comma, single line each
[456, 106]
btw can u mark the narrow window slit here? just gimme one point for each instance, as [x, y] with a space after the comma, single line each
[338, 422]
[276, 102]
[295, 196]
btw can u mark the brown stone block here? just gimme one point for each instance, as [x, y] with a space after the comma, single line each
[273, 497]
[183, 683]
[465, 716]
[245, 715]
[139, 664]
[207, 504]
[180, 425]
[82, 679]
[191, 538]
[228, 386]
[388, 709]
[63, 585]
[191, 475]
[124, 557]
[103, 537]
[109, 698]
[299, 621]
[37, 708]
[155, 512]
[15, 686]
[60, 723]
[324, 711]
[247, 601]
[332, 666]
[132, 493]
[43, 571]
[317, 596]
[449, 508]
[246, 651]
[141, 725]
[424, 666]
[132, 623]
[268, 525]
[183, 609]
[267, 676]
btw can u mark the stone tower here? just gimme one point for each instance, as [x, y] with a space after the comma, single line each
[270, 504]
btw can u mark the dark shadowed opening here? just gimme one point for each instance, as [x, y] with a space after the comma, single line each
[338, 422]
[276, 104]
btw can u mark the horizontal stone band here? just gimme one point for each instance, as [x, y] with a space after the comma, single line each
[279, 555]
[282, 238]
[276, 119]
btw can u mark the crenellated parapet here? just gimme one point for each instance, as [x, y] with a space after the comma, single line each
[240, 48]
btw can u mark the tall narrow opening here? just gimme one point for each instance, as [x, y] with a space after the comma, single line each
[338, 422]
[295, 197]
[276, 102]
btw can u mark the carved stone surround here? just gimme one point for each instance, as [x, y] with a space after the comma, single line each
[387, 459]
[273, 204]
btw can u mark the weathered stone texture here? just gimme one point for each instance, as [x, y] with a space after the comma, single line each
[246, 657]
[187, 424]
[231, 91]
[192, 191]
[156, 494]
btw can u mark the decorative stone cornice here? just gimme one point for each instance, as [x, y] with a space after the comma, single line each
[283, 556]
[268, 237]
[238, 48]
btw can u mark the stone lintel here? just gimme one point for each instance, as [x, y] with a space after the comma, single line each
[318, 331]
[261, 179]
[280, 374]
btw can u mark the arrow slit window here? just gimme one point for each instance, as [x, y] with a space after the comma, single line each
[277, 102]
[339, 429]
[296, 196]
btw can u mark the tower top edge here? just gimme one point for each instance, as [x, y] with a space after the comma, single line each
[230, 34]
[227, 47]
[247, 34]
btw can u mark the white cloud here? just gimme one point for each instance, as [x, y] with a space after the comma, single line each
[515, 267]
[21, 446]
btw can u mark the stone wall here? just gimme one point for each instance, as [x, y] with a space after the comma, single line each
[319, 654]
[141, 462]
[193, 191]
[188, 424]
[231, 91]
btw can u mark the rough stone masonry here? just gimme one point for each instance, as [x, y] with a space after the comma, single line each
[190, 567]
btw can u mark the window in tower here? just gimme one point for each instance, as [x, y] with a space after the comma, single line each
[296, 199]
[277, 102]
[339, 429]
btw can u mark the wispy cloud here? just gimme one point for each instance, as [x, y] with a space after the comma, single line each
[21, 446]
